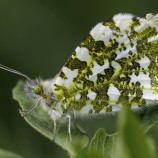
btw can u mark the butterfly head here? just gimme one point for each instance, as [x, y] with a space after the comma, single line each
[37, 89]
[33, 88]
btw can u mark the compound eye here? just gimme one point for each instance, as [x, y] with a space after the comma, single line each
[37, 90]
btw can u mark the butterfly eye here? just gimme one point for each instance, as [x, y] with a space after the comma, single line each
[37, 90]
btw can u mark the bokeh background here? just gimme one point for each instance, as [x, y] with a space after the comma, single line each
[37, 37]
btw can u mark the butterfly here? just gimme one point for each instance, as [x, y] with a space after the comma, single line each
[114, 66]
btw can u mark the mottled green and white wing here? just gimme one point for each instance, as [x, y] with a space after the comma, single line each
[115, 65]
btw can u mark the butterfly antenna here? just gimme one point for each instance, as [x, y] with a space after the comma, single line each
[14, 71]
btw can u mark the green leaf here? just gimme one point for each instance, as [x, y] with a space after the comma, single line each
[152, 132]
[131, 141]
[8, 154]
[150, 117]
[41, 121]
[102, 144]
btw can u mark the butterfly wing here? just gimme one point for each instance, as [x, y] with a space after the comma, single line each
[116, 64]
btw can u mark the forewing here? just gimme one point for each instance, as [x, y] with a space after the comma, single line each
[116, 64]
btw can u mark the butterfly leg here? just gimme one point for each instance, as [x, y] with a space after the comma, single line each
[54, 129]
[69, 126]
[26, 112]
[53, 117]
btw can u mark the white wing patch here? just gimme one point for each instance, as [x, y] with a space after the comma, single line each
[125, 53]
[86, 109]
[59, 81]
[153, 39]
[123, 39]
[101, 32]
[70, 74]
[77, 96]
[116, 66]
[143, 25]
[83, 54]
[142, 78]
[91, 95]
[144, 62]
[123, 20]
[150, 95]
[98, 69]
[113, 93]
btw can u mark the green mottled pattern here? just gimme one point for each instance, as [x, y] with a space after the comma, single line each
[131, 93]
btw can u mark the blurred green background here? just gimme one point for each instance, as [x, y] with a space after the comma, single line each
[37, 37]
